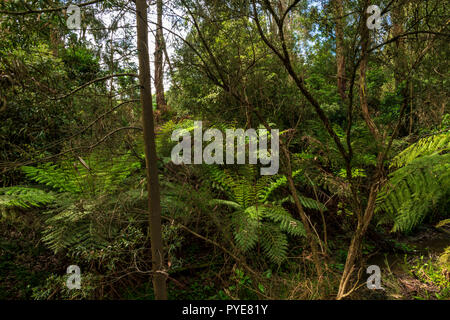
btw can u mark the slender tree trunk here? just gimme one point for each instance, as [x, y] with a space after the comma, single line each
[354, 250]
[400, 62]
[340, 51]
[400, 59]
[159, 50]
[304, 218]
[159, 278]
[411, 96]
[365, 41]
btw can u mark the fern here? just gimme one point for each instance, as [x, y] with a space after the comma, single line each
[52, 176]
[434, 144]
[287, 223]
[24, 197]
[246, 231]
[228, 203]
[253, 214]
[420, 183]
[164, 143]
[221, 180]
[274, 185]
[74, 224]
[74, 219]
[101, 176]
[306, 202]
[274, 243]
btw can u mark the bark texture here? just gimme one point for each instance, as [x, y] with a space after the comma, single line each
[154, 204]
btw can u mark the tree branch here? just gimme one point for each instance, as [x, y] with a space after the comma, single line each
[93, 81]
[32, 11]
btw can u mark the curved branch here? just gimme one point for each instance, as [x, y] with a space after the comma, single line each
[31, 11]
[407, 34]
[93, 81]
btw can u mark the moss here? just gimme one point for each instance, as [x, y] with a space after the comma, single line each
[444, 259]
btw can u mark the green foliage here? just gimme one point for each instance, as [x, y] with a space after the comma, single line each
[24, 197]
[101, 176]
[420, 183]
[255, 219]
[274, 242]
[81, 63]
[434, 144]
[164, 143]
[274, 185]
[53, 177]
[72, 225]
[433, 273]
[241, 287]
[76, 216]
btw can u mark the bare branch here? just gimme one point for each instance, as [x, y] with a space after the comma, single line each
[32, 11]
[95, 80]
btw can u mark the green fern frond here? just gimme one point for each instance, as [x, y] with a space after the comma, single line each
[52, 176]
[74, 225]
[221, 180]
[103, 176]
[420, 183]
[306, 202]
[426, 146]
[312, 203]
[245, 231]
[274, 185]
[164, 143]
[284, 218]
[274, 243]
[24, 197]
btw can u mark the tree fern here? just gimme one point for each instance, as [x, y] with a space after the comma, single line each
[24, 197]
[274, 243]
[221, 180]
[54, 177]
[420, 182]
[287, 223]
[74, 219]
[245, 230]
[76, 224]
[102, 175]
[253, 215]
[434, 144]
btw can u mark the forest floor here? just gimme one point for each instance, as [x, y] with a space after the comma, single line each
[414, 268]
[420, 271]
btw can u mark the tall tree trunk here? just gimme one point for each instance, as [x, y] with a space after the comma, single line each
[340, 52]
[400, 62]
[159, 278]
[159, 50]
[400, 59]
